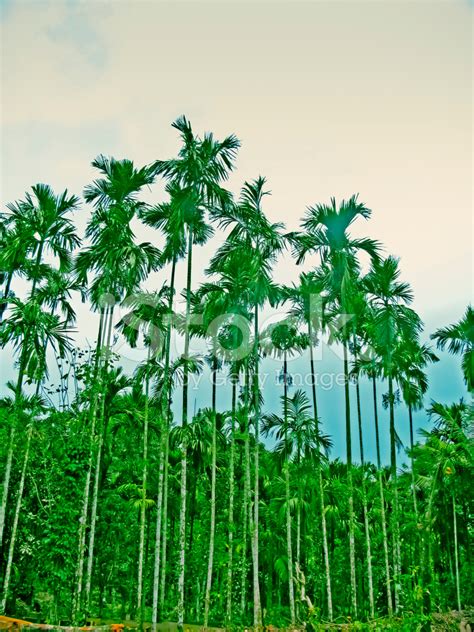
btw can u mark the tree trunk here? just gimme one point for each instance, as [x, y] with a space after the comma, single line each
[456, 555]
[247, 510]
[165, 530]
[257, 609]
[350, 483]
[85, 504]
[160, 519]
[207, 597]
[141, 553]
[320, 477]
[382, 501]
[231, 506]
[95, 492]
[184, 421]
[289, 549]
[395, 519]
[11, 548]
[19, 385]
[364, 505]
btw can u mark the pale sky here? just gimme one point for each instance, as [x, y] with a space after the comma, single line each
[328, 99]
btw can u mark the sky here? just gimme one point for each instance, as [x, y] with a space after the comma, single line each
[328, 99]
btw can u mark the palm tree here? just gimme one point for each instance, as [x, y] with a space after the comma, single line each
[117, 273]
[393, 321]
[412, 357]
[41, 219]
[308, 305]
[219, 306]
[446, 452]
[283, 340]
[298, 436]
[148, 312]
[30, 330]
[326, 233]
[258, 242]
[359, 309]
[369, 365]
[199, 169]
[459, 339]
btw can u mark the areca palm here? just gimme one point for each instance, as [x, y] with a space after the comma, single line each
[283, 340]
[30, 330]
[40, 224]
[258, 242]
[219, 305]
[369, 364]
[117, 273]
[148, 312]
[459, 339]
[392, 321]
[199, 170]
[326, 232]
[308, 301]
[446, 452]
[412, 357]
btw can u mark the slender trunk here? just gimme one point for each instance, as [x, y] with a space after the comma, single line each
[289, 550]
[141, 552]
[19, 385]
[247, 510]
[364, 505]
[320, 477]
[257, 609]
[165, 529]
[395, 519]
[85, 504]
[456, 555]
[350, 483]
[207, 597]
[11, 548]
[427, 562]
[159, 515]
[212, 530]
[6, 478]
[98, 465]
[231, 506]
[412, 460]
[382, 501]
[160, 519]
[184, 421]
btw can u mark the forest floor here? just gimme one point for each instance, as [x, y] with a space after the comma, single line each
[440, 622]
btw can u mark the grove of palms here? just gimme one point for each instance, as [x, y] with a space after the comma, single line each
[122, 500]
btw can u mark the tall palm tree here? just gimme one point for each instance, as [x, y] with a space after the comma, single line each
[307, 299]
[30, 330]
[369, 364]
[258, 242]
[412, 357]
[148, 313]
[326, 232]
[446, 452]
[117, 273]
[200, 168]
[219, 306]
[42, 219]
[393, 321]
[459, 339]
[283, 340]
